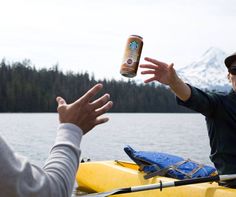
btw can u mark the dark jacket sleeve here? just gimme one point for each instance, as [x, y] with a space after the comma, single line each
[200, 101]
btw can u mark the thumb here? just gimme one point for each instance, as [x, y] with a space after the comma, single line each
[171, 65]
[60, 101]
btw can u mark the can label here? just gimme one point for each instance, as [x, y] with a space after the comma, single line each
[131, 56]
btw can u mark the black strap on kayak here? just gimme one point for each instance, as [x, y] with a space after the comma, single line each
[163, 172]
[161, 185]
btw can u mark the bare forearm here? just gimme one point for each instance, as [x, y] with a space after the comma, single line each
[181, 89]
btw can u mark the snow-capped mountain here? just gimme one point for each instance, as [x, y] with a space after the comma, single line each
[209, 72]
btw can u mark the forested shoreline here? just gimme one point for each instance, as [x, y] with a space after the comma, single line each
[23, 88]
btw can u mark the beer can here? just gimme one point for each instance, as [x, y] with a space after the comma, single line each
[132, 56]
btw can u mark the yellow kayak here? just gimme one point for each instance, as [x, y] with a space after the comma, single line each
[102, 176]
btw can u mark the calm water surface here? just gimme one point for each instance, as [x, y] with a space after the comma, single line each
[32, 135]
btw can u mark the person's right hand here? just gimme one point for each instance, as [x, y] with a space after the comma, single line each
[161, 71]
[84, 112]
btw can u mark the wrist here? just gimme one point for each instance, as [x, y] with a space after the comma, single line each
[70, 126]
[180, 89]
[175, 83]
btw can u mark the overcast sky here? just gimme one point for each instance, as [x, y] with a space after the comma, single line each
[83, 35]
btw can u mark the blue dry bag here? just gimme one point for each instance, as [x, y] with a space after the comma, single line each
[163, 164]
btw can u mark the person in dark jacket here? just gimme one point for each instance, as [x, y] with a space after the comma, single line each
[219, 110]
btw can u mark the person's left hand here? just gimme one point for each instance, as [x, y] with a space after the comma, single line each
[84, 112]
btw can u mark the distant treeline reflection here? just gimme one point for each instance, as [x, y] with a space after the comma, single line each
[23, 88]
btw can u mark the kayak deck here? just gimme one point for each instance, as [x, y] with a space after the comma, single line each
[104, 176]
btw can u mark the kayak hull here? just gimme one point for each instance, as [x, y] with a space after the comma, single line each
[105, 176]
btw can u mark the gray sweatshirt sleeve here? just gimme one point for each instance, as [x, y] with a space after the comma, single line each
[19, 178]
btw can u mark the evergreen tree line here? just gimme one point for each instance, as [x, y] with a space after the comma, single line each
[23, 88]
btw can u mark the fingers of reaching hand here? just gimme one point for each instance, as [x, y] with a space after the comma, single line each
[150, 66]
[60, 100]
[148, 72]
[100, 120]
[95, 116]
[171, 65]
[89, 94]
[100, 101]
[150, 80]
[156, 62]
[61, 103]
[103, 109]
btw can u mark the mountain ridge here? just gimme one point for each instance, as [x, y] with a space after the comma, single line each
[208, 72]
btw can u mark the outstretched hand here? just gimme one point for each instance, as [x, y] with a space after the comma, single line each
[166, 74]
[161, 71]
[84, 112]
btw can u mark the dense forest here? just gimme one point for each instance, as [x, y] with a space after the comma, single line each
[23, 88]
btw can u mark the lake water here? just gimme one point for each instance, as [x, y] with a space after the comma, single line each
[32, 135]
